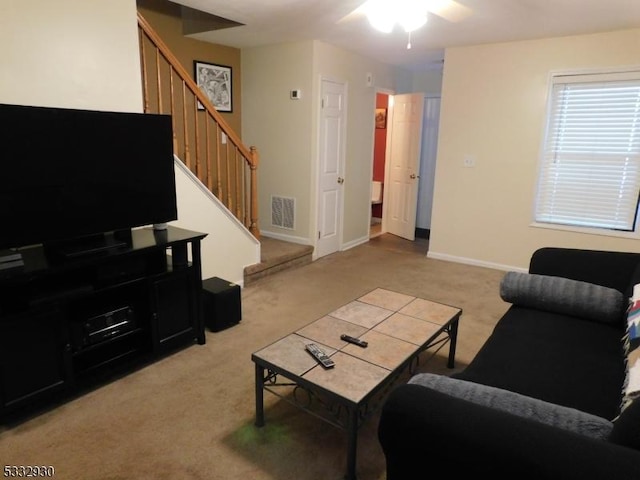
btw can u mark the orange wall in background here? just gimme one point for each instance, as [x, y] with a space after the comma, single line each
[379, 150]
[380, 142]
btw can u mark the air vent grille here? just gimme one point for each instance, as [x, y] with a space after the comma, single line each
[283, 212]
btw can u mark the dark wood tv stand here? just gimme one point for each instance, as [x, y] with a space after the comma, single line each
[67, 323]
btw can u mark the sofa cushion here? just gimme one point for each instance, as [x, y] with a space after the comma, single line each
[563, 295]
[517, 404]
[555, 358]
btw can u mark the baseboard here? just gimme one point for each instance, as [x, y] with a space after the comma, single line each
[285, 238]
[354, 243]
[472, 261]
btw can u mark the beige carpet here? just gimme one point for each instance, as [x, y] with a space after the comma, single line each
[190, 415]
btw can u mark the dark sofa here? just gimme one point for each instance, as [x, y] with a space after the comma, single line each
[537, 359]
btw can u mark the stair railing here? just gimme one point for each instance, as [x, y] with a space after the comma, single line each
[202, 138]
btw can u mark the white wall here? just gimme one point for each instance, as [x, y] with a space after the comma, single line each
[493, 108]
[76, 53]
[226, 251]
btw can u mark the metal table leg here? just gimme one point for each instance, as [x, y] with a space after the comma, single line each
[259, 396]
[453, 338]
[352, 443]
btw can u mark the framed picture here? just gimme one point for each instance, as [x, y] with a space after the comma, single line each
[381, 118]
[215, 82]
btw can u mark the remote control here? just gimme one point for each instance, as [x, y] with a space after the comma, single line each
[319, 354]
[354, 340]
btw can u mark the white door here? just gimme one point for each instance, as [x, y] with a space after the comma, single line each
[331, 168]
[403, 165]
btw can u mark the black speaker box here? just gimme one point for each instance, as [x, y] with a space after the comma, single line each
[221, 304]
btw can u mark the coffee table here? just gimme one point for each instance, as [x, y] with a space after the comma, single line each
[397, 327]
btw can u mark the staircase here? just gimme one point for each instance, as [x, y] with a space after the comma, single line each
[277, 256]
[210, 149]
[202, 138]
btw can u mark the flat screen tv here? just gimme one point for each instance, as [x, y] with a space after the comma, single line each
[68, 174]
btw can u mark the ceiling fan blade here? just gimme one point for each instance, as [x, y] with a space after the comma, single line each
[450, 10]
[357, 14]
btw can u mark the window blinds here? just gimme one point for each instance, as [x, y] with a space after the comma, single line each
[590, 169]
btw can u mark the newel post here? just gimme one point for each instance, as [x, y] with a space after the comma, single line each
[253, 228]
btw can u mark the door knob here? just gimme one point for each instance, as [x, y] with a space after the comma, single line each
[340, 180]
[413, 175]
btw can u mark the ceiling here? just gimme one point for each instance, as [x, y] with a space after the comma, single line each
[451, 23]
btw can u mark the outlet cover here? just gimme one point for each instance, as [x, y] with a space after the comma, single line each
[469, 161]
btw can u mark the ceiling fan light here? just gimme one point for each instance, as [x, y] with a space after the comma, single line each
[384, 14]
[382, 23]
[381, 15]
[411, 14]
[412, 23]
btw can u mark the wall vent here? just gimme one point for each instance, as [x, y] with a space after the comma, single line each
[283, 212]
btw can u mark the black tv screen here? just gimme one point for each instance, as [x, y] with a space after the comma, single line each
[69, 173]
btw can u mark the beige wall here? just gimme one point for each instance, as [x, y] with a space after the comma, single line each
[493, 108]
[338, 64]
[75, 54]
[285, 131]
[281, 128]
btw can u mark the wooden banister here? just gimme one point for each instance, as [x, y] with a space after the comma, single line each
[199, 129]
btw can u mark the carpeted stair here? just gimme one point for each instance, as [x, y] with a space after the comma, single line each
[277, 255]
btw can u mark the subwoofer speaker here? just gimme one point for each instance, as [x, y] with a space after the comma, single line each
[221, 304]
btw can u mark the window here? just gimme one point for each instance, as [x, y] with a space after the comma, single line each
[590, 166]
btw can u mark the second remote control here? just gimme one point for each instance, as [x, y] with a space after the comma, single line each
[320, 355]
[354, 340]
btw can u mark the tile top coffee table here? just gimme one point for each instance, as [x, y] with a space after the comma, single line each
[397, 328]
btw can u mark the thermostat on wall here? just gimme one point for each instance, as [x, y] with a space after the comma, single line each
[296, 94]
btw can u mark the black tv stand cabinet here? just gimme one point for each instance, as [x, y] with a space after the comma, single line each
[86, 246]
[67, 323]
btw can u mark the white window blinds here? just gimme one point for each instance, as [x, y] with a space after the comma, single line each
[590, 168]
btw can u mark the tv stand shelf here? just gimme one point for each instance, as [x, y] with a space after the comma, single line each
[66, 322]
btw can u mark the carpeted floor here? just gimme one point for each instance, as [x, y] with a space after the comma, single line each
[190, 415]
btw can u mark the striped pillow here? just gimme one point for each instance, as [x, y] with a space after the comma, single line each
[631, 389]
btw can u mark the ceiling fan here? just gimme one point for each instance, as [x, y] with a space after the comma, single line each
[449, 10]
[383, 15]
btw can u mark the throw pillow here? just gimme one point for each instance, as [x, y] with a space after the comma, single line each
[625, 425]
[626, 430]
[565, 296]
[631, 342]
[517, 404]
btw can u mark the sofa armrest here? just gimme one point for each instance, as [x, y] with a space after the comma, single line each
[617, 270]
[420, 427]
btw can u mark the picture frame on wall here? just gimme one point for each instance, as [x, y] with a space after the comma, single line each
[216, 83]
[381, 118]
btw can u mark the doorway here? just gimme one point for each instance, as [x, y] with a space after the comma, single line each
[422, 202]
[379, 159]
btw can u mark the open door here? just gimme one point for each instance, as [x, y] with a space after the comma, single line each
[403, 164]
